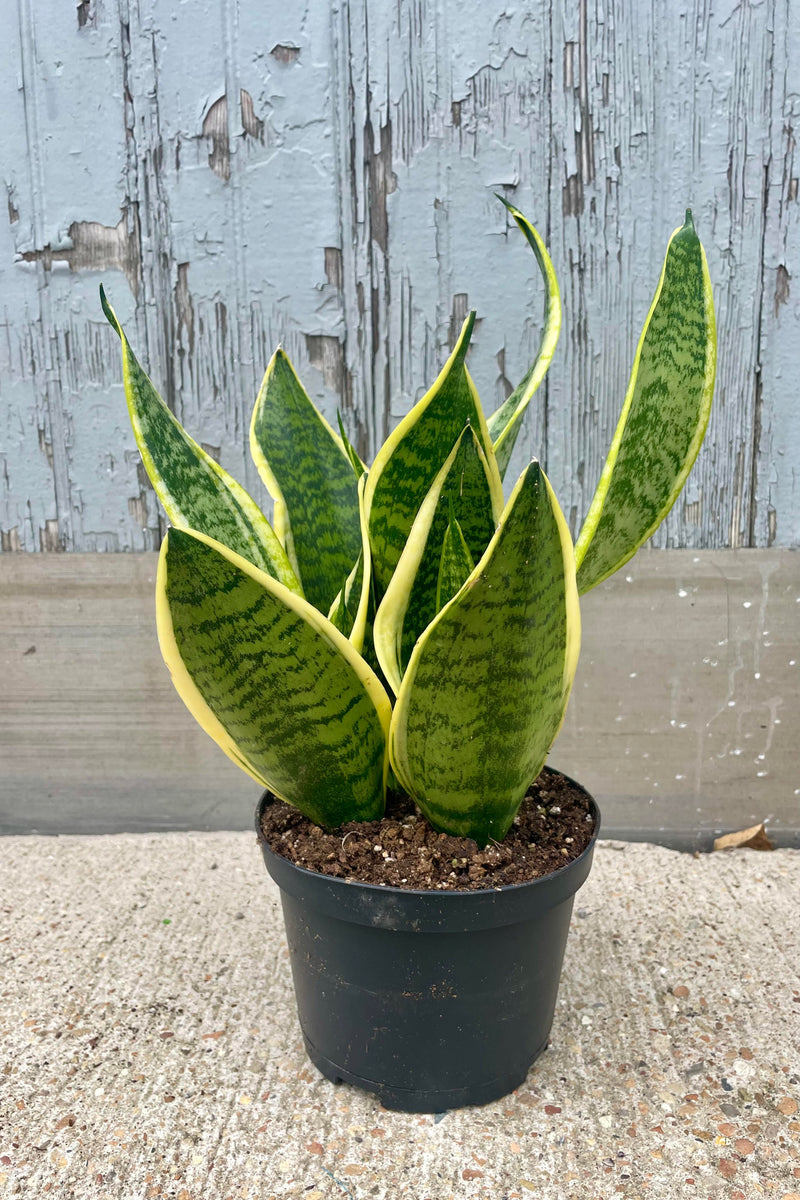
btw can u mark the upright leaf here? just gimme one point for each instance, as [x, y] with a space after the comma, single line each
[306, 470]
[272, 681]
[412, 455]
[456, 562]
[505, 423]
[486, 689]
[354, 605]
[349, 449]
[342, 612]
[409, 605]
[664, 416]
[195, 491]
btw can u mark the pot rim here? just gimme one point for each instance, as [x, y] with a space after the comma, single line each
[461, 895]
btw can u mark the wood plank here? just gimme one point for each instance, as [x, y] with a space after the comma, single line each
[683, 721]
[324, 175]
[776, 513]
[656, 109]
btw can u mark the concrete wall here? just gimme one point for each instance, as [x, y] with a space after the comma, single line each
[683, 720]
[240, 173]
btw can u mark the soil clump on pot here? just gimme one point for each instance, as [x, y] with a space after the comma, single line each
[553, 826]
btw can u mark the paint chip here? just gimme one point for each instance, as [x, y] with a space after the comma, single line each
[285, 54]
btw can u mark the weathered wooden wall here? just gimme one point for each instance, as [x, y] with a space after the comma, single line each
[241, 172]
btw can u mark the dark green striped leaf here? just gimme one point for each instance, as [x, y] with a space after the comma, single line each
[306, 470]
[195, 491]
[664, 416]
[409, 605]
[412, 455]
[486, 689]
[504, 424]
[344, 609]
[349, 449]
[272, 681]
[353, 608]
[456, 562]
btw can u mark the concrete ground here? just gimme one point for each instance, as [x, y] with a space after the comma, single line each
[149, 1045]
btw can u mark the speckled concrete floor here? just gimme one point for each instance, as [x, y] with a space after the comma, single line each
[149, 1046]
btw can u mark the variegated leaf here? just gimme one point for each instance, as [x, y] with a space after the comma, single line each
[412, 455]
[487, 685]
[308, 473]
[664, 416]
[456, 562]
[350, 450]
[505, 423]
[409, 605]
[344, 608]
[354, 605]
[195, 491]
[272, 681]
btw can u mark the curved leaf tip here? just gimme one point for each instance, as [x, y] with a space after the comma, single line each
[465, 336]
[503, 200]
[109, 313]
[505, 422]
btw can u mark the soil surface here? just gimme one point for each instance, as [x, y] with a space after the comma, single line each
[553, 827]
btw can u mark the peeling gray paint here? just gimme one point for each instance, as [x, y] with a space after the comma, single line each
[241, 175]
[90, 246]
[252, 124]
[285, 54]
[215, 128]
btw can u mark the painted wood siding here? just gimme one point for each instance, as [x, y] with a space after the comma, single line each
[322, 174]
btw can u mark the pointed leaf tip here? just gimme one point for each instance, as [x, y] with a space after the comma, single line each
[196, 492]
[350, 450]
[307, 471]
[465, 742]
[410, 458]
[465, 335]
[109, 313]
[664, 414]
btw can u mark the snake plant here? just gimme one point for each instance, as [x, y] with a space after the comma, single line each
[405, 621]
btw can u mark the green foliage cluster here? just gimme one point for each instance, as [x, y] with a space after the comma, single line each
[405, 618]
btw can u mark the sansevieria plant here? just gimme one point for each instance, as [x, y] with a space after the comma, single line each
[404, 621]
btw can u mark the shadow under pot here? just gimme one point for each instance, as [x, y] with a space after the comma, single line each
[431, 1000]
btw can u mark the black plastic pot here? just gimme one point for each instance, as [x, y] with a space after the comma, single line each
[432, 1000]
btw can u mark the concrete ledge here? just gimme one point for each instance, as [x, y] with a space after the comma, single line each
[149, 1045]
[682, 721]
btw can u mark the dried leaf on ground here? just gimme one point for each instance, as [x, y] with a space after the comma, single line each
[754, 838]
